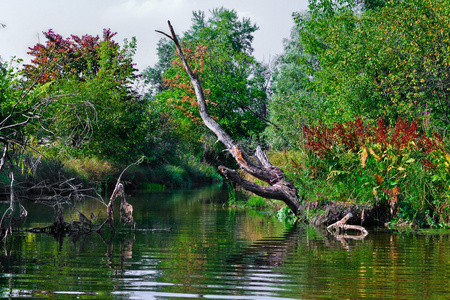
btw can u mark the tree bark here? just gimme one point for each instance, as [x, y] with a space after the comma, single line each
[258, 166]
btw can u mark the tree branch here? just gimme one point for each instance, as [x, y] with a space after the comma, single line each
[341, 225]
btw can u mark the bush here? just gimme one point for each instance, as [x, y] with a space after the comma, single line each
[397, 168]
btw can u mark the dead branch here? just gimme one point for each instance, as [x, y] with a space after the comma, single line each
[341, 225]
[126, 209]
[10, 217]
[259, 167]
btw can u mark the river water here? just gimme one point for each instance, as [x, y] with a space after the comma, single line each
[216, 252]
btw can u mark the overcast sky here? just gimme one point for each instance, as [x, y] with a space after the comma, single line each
[25, 21]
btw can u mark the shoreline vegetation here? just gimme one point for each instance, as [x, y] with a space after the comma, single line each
[353, 116]
[102, 174]
[384, 176]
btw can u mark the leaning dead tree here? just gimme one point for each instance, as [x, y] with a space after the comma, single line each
[259, 166]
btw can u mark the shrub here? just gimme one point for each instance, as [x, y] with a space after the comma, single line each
[397, 168]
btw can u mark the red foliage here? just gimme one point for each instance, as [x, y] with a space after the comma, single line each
[320, 138]
[73, 57]
[381, 133]
[187, 103]
[403, 133]
[355, 134]
[393, 197]
[430, 145]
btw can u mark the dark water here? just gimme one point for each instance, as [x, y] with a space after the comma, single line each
[215, 252]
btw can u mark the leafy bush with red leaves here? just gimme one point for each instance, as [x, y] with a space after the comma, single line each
[323, 140]
[397, 167]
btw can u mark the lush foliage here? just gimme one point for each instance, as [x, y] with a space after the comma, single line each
[292, 104]
[391, 62]
[360, 96]
[397, 168]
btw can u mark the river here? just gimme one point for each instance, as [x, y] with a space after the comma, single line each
[217, 252]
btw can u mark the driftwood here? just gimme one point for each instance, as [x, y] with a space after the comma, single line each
[340, 226]
[67, 193]
[126, 209]
[258, 166]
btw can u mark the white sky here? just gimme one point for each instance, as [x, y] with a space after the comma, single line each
[25, 21]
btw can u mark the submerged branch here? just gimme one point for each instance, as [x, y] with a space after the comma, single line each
[341, 225]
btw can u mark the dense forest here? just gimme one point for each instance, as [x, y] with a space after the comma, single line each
[355, 110]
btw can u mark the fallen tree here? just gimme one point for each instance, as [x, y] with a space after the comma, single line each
[259, 166]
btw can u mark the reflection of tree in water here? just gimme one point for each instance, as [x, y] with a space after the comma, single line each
[322, 265]
[125, 254]
[55, 262]
[271, 251]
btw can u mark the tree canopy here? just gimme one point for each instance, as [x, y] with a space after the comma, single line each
[92, 78]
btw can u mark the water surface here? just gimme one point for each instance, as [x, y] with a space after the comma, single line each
[215, 252]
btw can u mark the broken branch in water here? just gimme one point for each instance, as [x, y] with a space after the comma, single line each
[126, 209]
[341, 225]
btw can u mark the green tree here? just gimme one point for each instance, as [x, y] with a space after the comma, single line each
[154, 75]
[390, 62]
[93, 78]
[292, 104]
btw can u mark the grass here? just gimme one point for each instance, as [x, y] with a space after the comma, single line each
[152, 187]
[102, 173]
[93, 169]
[410, 185]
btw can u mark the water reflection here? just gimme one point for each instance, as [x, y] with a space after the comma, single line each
[220, 253]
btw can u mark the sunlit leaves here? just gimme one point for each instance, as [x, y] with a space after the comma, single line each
[390, 62]
[97, 113]
[78, 58]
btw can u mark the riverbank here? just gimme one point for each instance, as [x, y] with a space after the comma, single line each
[383, 175]
[101, 175]
[219, 252]
[395, 175]
[145, 176]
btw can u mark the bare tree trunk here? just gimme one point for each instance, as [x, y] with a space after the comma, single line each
[258, 166]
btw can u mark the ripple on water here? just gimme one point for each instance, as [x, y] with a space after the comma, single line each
[219, 253]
